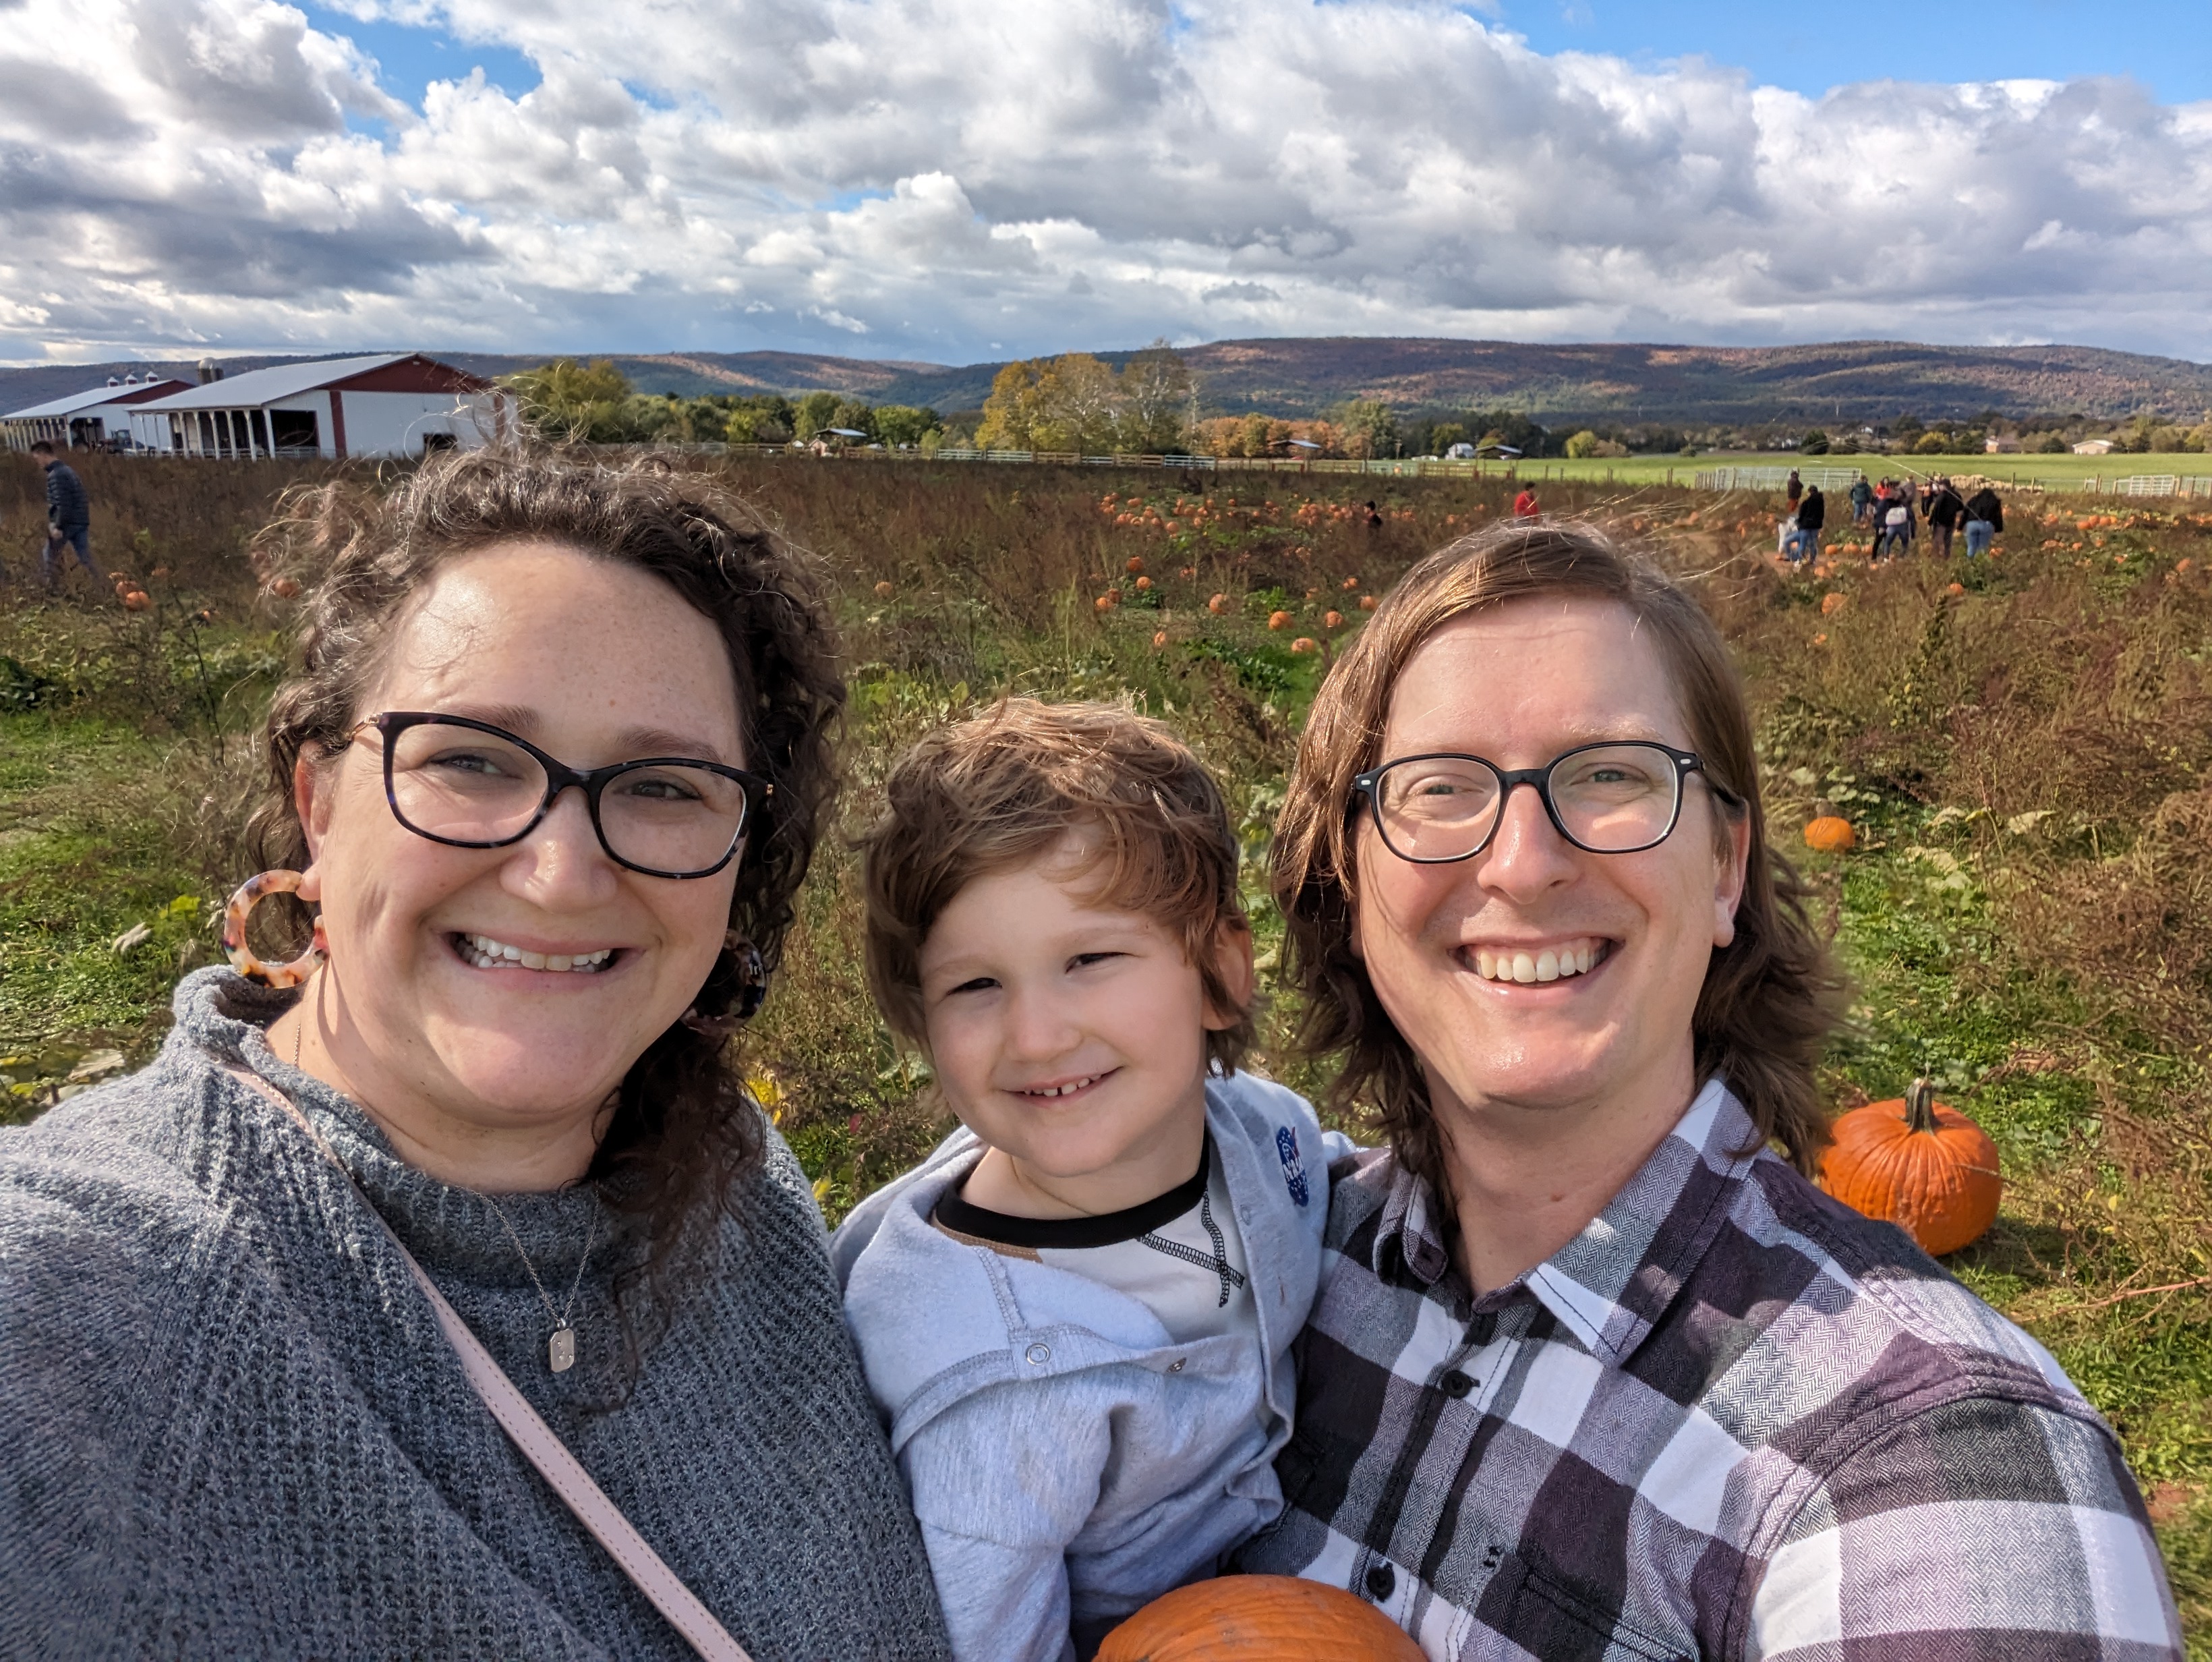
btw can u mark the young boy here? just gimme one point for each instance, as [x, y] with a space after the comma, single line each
[1076, 1315]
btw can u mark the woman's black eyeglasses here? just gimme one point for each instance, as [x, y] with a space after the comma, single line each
[471, 785]
[1607, 798]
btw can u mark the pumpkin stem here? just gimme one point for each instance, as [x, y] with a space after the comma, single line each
[1920, 1104]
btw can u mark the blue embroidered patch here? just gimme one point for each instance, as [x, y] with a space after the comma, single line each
[1294, 1170]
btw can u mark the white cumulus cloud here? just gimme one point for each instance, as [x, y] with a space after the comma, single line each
[945, 178]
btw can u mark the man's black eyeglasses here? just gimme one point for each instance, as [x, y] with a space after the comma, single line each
[1606, 798]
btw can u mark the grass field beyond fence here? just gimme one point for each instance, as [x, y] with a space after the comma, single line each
[2024, 745]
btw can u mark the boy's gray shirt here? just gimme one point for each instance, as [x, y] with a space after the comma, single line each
[1069, 1461]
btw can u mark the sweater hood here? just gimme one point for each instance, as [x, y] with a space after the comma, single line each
[942, 1318]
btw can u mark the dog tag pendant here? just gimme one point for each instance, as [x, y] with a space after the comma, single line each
[561, 1349]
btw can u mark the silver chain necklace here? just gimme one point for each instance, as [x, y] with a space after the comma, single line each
[561, 1343]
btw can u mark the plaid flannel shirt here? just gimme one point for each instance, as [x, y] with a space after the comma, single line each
[1731, 1418]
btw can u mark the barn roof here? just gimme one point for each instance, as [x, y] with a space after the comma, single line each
[93, 397]
[288, 380]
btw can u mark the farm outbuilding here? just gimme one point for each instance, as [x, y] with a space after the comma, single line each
[397, 404]
[97, 418]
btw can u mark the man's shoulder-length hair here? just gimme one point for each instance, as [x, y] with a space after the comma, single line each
[1770, 997]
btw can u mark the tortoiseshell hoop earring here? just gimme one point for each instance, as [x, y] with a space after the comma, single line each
[250, 893]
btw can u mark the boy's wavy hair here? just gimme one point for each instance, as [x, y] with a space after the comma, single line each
[1003, 789]
[682, 1132]
[1770, 997]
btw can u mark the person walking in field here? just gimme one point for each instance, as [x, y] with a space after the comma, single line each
[1893, 532]
[1945, 511]
[1984, 519]
[1525, 506]
[1793, 492]
[1812, 515]
[1861, 501]
[69, 518]
[1889, 516]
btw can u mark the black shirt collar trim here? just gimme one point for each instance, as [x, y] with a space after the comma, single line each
[1107, 1229]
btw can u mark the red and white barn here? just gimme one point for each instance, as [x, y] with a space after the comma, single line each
[397, 404]
[98, 418]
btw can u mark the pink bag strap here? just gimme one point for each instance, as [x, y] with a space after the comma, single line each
[535, 1439]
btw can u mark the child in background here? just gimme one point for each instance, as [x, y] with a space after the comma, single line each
[1076, 1315]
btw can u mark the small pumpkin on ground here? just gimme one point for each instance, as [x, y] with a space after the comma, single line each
[1259, 1618]
[1831, 834]
[1917, 1163]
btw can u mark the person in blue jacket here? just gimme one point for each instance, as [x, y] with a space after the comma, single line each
[1076, 1315]
[69, 517]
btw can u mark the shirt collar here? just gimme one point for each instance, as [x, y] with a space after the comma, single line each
[1612, 1283]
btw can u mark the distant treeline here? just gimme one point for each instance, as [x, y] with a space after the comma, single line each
[1154, 405]
[595, 402]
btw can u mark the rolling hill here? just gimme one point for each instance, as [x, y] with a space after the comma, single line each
[1693, 385]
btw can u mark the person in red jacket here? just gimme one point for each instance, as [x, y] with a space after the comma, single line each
[1524, 505]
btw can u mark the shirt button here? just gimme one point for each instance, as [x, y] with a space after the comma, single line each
[1455, 1384]
[1381, 1582]
[1039, 1354]
[1175, 1367]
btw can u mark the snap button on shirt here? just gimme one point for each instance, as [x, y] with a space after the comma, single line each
[1455, 1384]
[1381, 1582]
[1039, 1354]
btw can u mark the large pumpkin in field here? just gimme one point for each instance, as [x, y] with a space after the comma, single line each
[1917, 1163]
[1259, 1618]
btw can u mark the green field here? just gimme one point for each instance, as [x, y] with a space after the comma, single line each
[2027, 760]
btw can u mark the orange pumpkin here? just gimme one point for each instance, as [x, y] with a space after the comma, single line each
[284, 588]
[1304, 643]
[1217, 604]
[1259, 1618]
[1136, 565]
[137, 601]
[885, 591]
[1832, 602]
[1279, 620]
[1831, 834]
[1919, 1164]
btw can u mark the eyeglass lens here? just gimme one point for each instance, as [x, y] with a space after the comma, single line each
[471, 786]
[1614, 799]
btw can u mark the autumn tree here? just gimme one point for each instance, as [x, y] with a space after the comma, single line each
[1077, 403]
[1158, 401]
[899, 424]
[566, 399]
[811, 414]
[1368, 428]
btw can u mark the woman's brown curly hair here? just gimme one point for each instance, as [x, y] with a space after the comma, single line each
[682, 1133]
[1770, 997]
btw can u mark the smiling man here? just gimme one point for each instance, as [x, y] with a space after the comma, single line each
[1592, 1370]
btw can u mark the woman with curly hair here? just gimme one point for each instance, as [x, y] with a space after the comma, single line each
[440, 1291]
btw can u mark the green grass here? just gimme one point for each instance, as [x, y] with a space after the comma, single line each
[88, 852]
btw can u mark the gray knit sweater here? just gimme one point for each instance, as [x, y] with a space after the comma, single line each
[230, 1427]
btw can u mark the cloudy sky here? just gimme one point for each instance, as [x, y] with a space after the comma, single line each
[959, 180]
